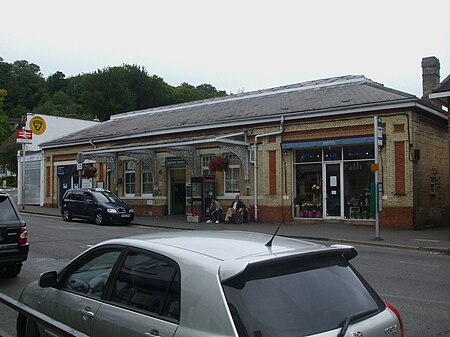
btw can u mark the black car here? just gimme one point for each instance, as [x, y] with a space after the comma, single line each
[13, 237]
[98, 205]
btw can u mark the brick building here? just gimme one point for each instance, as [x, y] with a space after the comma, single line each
[303, 152]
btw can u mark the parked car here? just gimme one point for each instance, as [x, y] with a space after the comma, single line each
[13, 237]
[210, 283]
[98, 205]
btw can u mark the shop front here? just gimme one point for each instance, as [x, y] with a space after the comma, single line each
[333, 179]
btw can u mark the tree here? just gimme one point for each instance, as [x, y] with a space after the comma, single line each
[25, 85]
[61, 104]
[56, 82]
[4, 127]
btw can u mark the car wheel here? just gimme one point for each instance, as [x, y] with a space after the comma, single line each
[66, 215]
[12, 271]
[99, 220]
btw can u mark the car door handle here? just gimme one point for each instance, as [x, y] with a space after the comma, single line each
[87, 314]
[152, 333]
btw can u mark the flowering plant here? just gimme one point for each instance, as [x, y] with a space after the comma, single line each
[316, 189]
[90, 172]
[218, 164]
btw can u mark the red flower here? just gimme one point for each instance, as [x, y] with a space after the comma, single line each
[218, 164]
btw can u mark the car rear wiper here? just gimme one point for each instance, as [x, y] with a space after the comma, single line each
[353, 317]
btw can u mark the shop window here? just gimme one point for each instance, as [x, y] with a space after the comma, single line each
[232, 175]
[205, 165]
[130, 178]
[332, 153]
[359, 190]
[308, 156]
[308, 200]
[358, 152]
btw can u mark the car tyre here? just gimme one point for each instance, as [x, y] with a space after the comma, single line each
[99, 220]
[66, 215]
[12, 271]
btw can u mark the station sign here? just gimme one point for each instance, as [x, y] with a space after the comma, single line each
[173, 162]
[24, 136]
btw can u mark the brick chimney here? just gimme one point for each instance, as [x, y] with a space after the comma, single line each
[430, 75]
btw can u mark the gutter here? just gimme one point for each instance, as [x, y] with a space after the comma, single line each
[255, 162]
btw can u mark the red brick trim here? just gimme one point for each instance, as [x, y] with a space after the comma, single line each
[272, 172]
[400, 180]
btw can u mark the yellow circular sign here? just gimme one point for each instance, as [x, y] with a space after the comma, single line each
[37, 125]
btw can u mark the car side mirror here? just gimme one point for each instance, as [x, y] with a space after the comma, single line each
[48, 279]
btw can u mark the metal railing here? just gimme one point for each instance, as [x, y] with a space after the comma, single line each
[59, 328]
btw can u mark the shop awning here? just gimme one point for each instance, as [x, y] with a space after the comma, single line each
[327, 142]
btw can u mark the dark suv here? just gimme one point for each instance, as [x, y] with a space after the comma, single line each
[13, 237]
[98, 205]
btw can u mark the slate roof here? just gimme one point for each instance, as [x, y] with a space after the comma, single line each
[326, 95]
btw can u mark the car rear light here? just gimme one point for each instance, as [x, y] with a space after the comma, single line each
[395, 311]
[23, 236]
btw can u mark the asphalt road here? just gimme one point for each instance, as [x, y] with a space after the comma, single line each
[416, 283]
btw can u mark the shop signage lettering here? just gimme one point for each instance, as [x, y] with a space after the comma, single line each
[173, 162]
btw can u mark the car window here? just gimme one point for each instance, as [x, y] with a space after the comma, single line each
[299, 298]
[89, 274]
[148, 283]
[107, 197]
[88, 197]
[75, 196]
[7, 212]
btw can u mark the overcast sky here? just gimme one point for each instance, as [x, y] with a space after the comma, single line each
[233, 45]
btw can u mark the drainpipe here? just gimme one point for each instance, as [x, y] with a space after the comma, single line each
[255, 162]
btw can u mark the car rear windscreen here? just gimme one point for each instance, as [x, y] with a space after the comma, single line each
[7, 212]
[297, 297]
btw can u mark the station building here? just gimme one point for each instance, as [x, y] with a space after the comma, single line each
[303, 152]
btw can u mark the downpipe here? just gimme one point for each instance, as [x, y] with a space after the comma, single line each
[255, 162]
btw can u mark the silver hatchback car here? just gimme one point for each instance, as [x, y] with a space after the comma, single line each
[210, 283]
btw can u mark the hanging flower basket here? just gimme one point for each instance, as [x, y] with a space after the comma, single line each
[218, 164]
[89, 172]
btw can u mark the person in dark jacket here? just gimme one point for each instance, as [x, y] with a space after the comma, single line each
[237, 207]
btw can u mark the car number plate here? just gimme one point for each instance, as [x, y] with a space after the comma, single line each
[125, 215]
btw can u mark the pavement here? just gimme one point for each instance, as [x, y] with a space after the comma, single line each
[435, 239]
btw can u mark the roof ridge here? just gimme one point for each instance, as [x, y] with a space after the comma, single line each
[307, 85]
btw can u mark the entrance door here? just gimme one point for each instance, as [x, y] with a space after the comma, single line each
[177, 201]
[333, 191]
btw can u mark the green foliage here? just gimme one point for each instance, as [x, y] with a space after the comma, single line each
[25, 85]
[102, 93]
[4, 127]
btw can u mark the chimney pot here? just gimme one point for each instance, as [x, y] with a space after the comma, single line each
[430, 75]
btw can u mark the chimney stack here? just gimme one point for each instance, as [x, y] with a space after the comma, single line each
[430, 75]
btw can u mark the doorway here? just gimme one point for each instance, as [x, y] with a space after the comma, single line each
[177, 191]
[333, 204]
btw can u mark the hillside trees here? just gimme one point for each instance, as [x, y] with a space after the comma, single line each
[99, 94]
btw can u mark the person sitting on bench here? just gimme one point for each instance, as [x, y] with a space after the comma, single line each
[237, 208]
[215, 210]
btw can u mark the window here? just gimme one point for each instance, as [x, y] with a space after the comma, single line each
[301, 298]
[150, 284]
[231, 176]
[147, 181]
[205, 165]
[7, 212]
[130, 178]
[89, 274]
